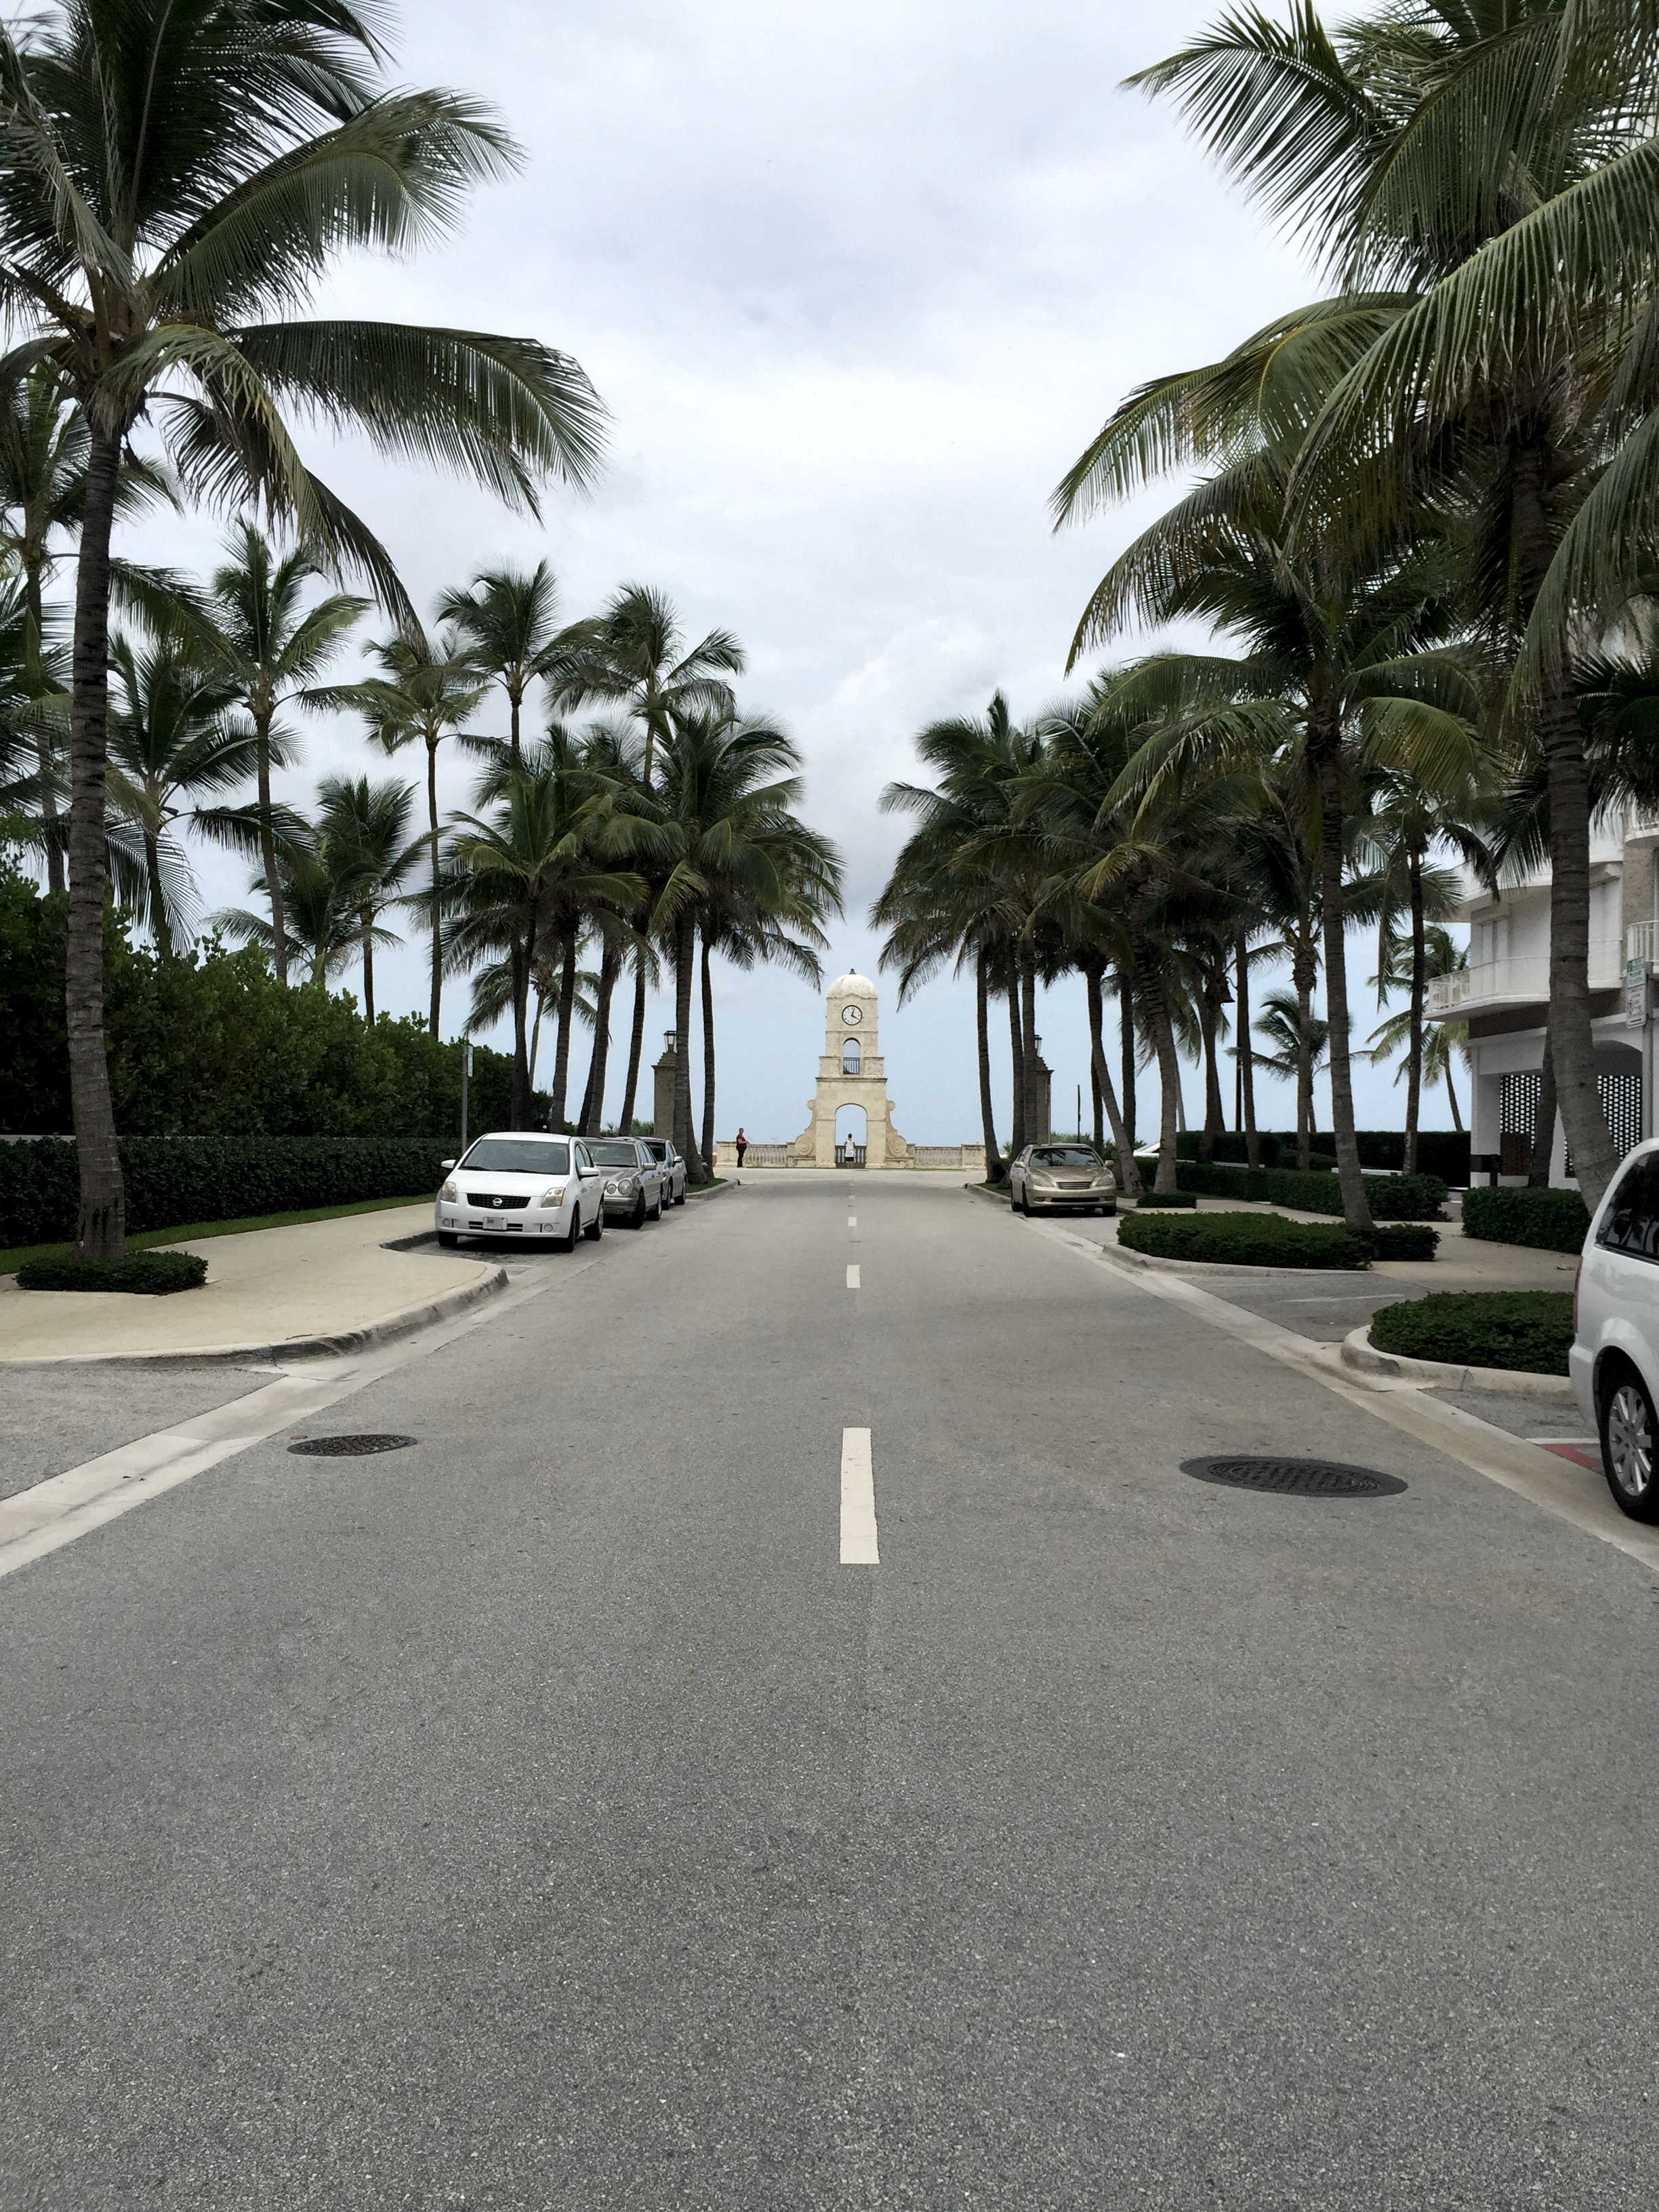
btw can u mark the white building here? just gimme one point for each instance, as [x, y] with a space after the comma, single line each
[1504, 995]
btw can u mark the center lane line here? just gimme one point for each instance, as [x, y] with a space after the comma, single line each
[853, 1279]
[858, 1501]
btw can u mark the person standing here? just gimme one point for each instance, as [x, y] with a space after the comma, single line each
[740, 1146]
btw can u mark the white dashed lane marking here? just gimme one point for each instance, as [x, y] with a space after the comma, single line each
[851, 1279]
[858, 1501]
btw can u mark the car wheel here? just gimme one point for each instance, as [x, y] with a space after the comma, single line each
[448, 1239]
[1630, 1444]
[680, 1200]
[636, 1219]
[595, 1228]
[1025, 1201]
[567, 1242]
[656, 1211]
[1013, 1203]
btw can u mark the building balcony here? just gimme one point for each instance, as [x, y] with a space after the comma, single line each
[1522, 981]
[1638, 941]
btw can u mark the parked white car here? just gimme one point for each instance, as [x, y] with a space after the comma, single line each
[521, 1183]
[673, 1168]
[1614, 1360]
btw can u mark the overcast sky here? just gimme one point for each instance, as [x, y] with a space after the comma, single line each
[855, 284]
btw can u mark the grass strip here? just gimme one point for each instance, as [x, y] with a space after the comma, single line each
[192, 1232]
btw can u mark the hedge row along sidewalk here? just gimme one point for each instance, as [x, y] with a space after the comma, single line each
[172, 1181]
[1547, 1220]
[1393, 1198]
[1524, 1332]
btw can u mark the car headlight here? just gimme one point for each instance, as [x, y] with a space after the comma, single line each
[553, 1195]
[1040, 1175]
[449, 1193]
[621, 1186]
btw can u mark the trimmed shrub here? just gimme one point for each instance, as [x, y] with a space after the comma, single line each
[1549, 1220]
[1186, 1201]
[1443, 1152]
[1243, 1240]
[150, 1275]
[1394, 1198]
[170, 1180]
[1402, 1240]
[1526, 1332]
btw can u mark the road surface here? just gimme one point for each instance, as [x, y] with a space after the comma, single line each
[544, 1816]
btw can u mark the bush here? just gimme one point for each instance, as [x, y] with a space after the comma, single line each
[1243, 1240]
[170, 1180]
[1526, 1332]
[1549, 1220]
[1443, 1152]
[150, 1275]
[1402, 1240]
[1394, 1198]
[1186, 1199]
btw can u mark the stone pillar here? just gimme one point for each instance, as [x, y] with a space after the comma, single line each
[662, 1116]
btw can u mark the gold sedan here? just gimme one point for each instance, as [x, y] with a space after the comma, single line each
[1049, 1176]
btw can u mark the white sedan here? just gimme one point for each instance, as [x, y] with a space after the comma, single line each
[520, 1183]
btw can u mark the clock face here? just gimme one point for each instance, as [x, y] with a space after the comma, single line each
[851, 1016]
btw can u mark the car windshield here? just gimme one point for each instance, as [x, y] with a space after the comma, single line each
[614, 1155]
[519, 1156]
[1065, 1156]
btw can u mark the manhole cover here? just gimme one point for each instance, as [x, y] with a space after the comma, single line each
[357, 1447]
[1296, 1478]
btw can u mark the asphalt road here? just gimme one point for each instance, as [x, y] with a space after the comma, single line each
[543, 1817]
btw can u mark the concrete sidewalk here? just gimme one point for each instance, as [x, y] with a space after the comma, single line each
[268, 1292]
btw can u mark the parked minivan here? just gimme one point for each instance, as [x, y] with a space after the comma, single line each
[1614, 1360]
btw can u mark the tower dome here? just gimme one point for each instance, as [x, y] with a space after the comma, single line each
[853, 982]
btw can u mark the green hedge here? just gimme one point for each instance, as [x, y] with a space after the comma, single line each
[1401, 1240]
[171, 1180]
[1443, 1152]
[147, 1274]
[1550, 1221]
[1393, 1198]
[1527, 1332]
[1182, 1200]
[1242, 1240]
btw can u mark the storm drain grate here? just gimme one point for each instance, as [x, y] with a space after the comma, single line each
[349, 1447]
[1296, 1478]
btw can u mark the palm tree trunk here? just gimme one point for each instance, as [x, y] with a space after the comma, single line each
[437, 916]
[101, 1228]
[1128, 1178]
[1543, 1126]
[635, 1045]
[1096, 1052]
[159, 927]
[685, 961]
[1451, 1097]
[708, 1056]
[1325, 750]
[535, 1039]
[1302, 976]
[1572, 1041]
[1209, 1018]
[593, 1105]
[1126, 1024]
[1245, 1051]
[561, 1041]
[994, 1169]
[268, 852]
[369, 967]
[523, 957]
[1414, 1037]
[1155, 1013]
[1036, 1133]
[1017, 1141]
[50, 818]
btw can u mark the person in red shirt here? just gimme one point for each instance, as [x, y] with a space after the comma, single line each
[740, 1146]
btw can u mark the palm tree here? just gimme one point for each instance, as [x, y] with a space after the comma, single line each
[1300, 1042]
[141, 277]
[506, 619]
[634, 655]
[1440, 1041]
[171, 739]
[365, 835]
[427, 689]
[320, 902]
[270, 647]
[723, 824]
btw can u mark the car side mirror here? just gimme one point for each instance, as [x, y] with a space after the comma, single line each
[445, 1165]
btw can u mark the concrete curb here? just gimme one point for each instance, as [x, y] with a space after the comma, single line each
[718, 1190]
[1360, 1353]
[405, 1323]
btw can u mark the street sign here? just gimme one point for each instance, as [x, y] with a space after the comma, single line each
[1636, 995]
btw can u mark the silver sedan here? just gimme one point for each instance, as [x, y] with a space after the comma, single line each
[634, 1184]
[1051, 1175]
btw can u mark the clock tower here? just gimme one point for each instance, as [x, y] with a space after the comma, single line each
[852, 1073]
